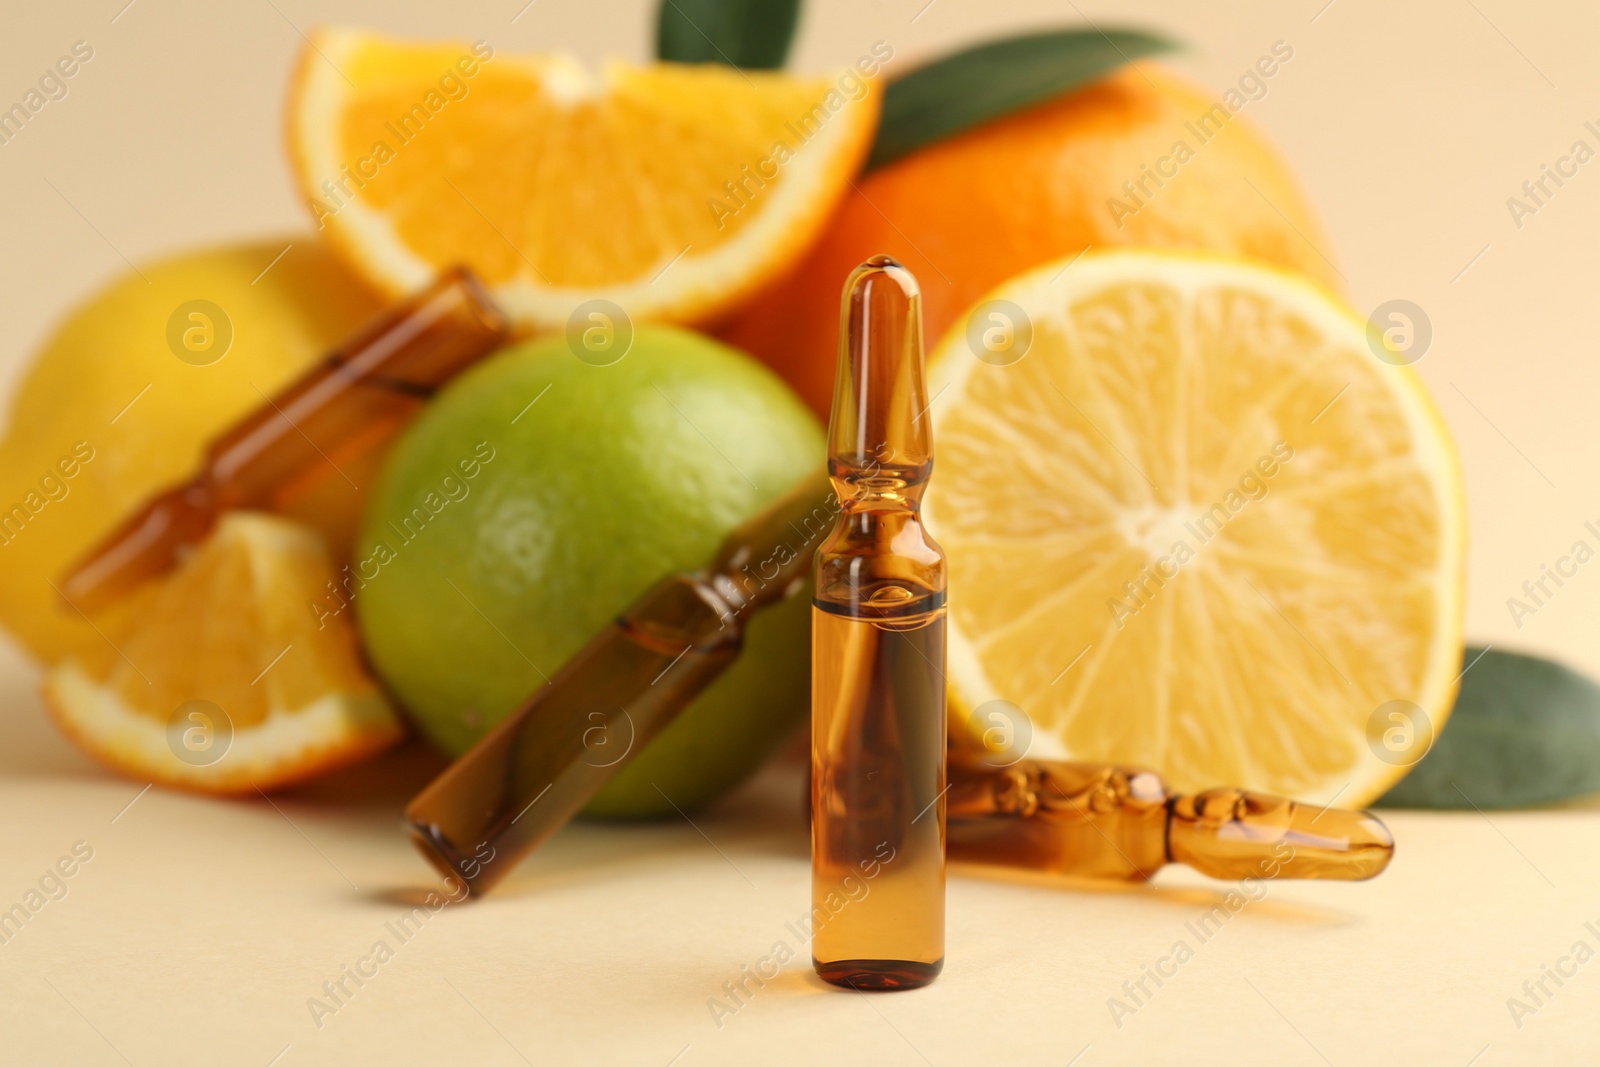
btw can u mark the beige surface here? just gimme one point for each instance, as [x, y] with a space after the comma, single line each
[198, 930]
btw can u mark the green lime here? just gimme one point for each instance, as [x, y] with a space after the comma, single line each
[538, 496]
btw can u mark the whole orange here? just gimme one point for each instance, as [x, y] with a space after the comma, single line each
[968, 212]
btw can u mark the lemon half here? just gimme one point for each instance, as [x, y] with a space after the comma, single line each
[1194, 523]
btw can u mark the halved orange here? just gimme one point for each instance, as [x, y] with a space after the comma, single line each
[240, 672]
[1194, 523]
[670, 190]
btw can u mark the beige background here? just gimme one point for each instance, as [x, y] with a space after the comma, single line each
[199, 929]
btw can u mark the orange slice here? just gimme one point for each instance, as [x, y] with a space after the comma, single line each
[241, 671]
[1195, 523]
[670, 190]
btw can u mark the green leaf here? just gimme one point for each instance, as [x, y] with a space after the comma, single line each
[982, 83]
[1524, 731]
[738, 33]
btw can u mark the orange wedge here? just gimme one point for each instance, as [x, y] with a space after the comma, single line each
[1195, 523]
[241, 671]
[669, 190]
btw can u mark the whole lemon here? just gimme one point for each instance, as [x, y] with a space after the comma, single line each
[124, 396]
[538, 496]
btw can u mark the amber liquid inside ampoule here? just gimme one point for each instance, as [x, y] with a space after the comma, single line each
[347, 406]
[532, 773]
[878, 655]
[878, 738]
[1098, 821]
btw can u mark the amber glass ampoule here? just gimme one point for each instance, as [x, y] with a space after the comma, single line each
[351, 402]
[530, 775]
[878, 656]
[1095, 821]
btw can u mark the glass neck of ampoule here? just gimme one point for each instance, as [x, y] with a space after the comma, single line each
[880, 443]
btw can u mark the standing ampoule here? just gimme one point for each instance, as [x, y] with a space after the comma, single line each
[877, 659]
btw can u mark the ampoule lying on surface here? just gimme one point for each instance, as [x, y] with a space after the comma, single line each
[1098, 821]
[528, 776]
[353, 401]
